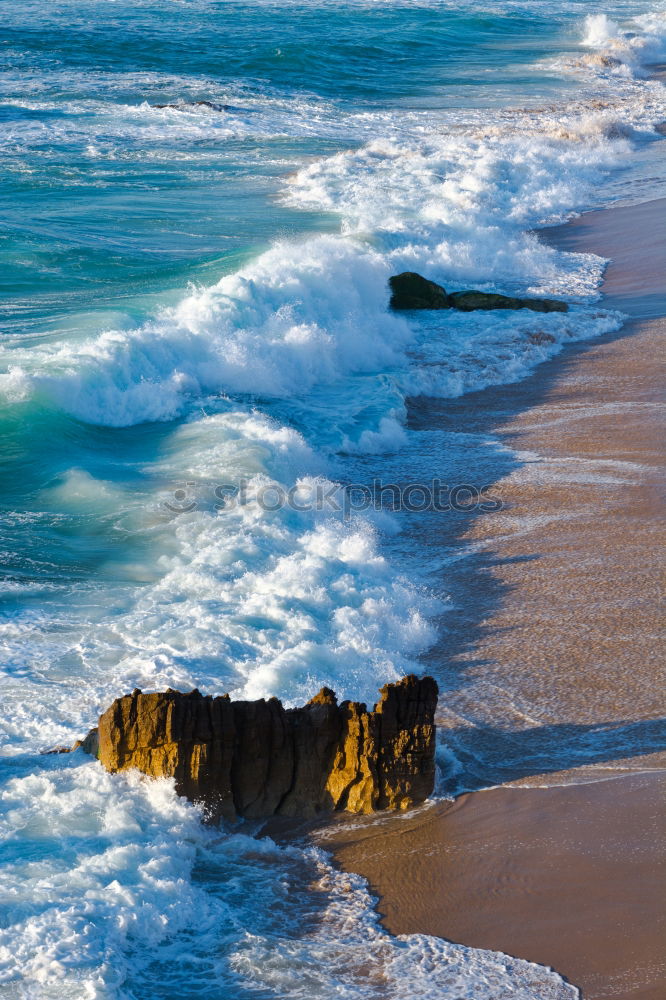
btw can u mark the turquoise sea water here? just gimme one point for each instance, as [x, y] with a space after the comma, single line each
[201, 204]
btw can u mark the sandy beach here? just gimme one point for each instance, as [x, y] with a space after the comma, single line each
[565, 867]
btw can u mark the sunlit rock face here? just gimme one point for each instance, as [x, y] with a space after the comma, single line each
[258, 759]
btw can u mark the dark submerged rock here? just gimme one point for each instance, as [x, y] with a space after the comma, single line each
[411, 291]
[469, 301]
[257, 759]
[89, 744]
[538, 337]
[184, 105]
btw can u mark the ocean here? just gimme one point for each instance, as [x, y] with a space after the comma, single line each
[200, 385]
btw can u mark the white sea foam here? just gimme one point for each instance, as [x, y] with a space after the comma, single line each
[244, 599]
[457, 202]
[277, 328]
[281, 326]
[125, 894]
[627, 50]
[620, 58]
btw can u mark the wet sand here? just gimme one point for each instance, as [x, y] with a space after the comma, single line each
[567, 876]
[566, 868]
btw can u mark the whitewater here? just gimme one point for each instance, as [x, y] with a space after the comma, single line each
[202, 205]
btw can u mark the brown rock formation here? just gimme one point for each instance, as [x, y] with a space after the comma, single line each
[257, 759]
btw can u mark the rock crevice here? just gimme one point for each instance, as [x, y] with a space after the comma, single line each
[257, 759]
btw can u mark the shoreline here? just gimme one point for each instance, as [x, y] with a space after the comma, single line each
[557, 875]
[565, 869]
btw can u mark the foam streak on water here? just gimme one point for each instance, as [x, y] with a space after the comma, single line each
[197, 297]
